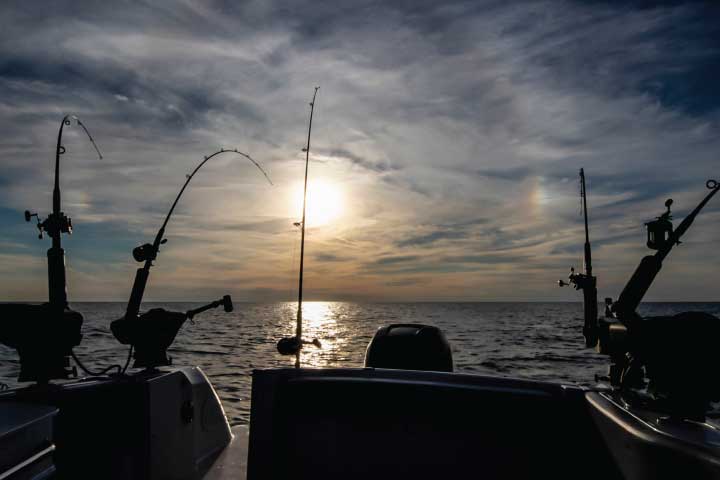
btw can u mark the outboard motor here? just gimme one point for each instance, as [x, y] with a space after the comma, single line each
[409, 346]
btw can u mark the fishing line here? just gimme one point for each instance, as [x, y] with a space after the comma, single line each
[89, 372]
[292, 283]
[127, 362]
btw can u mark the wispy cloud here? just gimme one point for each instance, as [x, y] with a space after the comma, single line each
[455, 131]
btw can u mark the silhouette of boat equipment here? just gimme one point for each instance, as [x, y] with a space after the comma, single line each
[405, 415]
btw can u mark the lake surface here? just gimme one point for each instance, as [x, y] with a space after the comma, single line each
[541, 341]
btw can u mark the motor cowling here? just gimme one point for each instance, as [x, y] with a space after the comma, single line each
[409, 346]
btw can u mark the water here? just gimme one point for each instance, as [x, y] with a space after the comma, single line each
[540, 341]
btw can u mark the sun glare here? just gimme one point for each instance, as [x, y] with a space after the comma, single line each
[324, 203]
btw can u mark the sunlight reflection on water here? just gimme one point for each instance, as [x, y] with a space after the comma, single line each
[323, 321]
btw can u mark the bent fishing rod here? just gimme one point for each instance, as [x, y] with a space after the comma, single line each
[148, 252]
[638, 285]
[58, 223]
[51, 330]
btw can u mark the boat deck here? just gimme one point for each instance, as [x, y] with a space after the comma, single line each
[232, 462]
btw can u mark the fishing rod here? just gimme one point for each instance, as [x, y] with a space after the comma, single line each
[588, 252]
[58, 223]
[293, 345]
[151, 337]
[662, 238]
[44, 335]
[148, 252]
[586, 281]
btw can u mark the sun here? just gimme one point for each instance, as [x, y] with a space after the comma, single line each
[324, 202]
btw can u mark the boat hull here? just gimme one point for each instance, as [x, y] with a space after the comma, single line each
[648, 444]
[167, 425]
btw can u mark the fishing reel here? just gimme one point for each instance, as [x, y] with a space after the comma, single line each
[660, 229]
[53, 225]
[579, 281]
[146, 251]
[292, 345]
[588, 285]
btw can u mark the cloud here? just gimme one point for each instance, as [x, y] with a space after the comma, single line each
[433, 237]
[454, 130]
[378, 167]
[328, 257]
[449, 231]
[395, 260]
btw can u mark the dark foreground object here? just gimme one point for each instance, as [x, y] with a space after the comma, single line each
[26, 441]
[43, 336]
[167, 425]
[409, 346]
[346, 423]
[377, 424]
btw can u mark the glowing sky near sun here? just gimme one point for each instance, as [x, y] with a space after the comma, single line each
[324, 202]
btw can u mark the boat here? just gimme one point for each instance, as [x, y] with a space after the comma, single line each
[404, 414]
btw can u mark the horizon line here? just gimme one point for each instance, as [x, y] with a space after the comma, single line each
[360, 301]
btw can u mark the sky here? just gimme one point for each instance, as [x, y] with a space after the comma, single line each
[446, 144]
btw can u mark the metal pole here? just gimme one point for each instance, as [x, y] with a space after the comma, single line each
[588, 255]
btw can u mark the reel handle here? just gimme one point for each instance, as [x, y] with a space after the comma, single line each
[226, 302]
